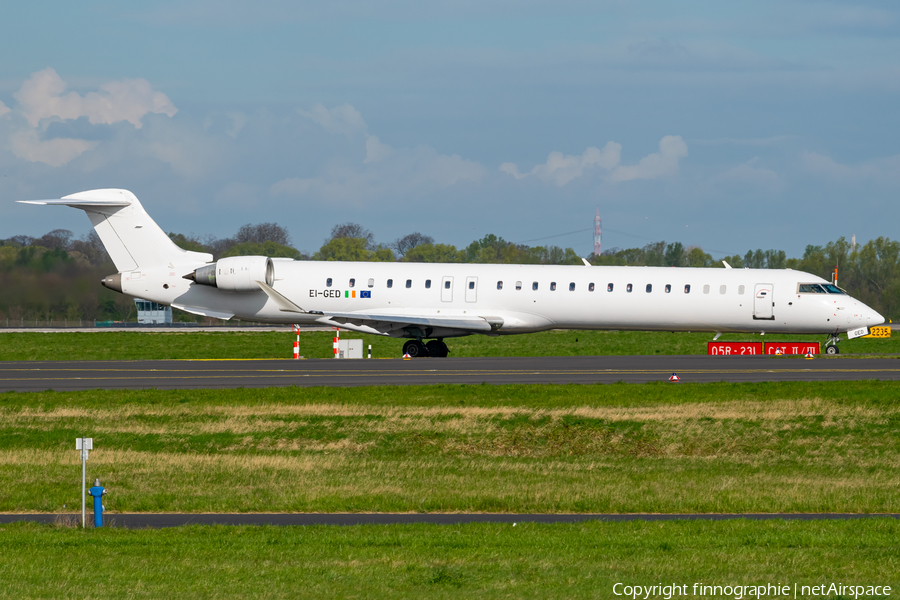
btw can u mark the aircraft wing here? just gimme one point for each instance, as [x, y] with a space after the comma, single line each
[388, 322]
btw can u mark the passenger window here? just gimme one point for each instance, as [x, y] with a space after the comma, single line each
[628, 288]
[447, 285]
[740, 290]
[572, 287]
[427, 284]
[552, 286]
[518, 285]
[352, 282]
[471, 285]
[409, 283]
[649, 287]
[609, 287]
[534, 286]
[687, 288]
[390, 283]
[371, 282]
[668, 288]
[328, 282]
[706, 289]
[721, 289]
[499, 285]
[590, 287]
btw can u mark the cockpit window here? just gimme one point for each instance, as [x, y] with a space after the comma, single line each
[811, 288]
[833, 289]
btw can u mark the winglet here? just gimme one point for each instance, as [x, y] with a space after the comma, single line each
[284, 305]
[586, 263]
[727, 266]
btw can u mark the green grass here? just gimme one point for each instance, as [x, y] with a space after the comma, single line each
[132, 345]
[761, 447]
[427, 561]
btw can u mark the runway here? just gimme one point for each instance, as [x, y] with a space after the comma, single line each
[157, 520]
[223, 374]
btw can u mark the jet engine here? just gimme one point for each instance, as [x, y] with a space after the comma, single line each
[236, 273]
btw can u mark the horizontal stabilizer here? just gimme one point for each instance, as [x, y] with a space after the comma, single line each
[82, 204]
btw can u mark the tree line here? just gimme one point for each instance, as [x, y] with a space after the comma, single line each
[57, 276]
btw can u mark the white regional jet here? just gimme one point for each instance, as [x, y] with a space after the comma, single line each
[431, 301]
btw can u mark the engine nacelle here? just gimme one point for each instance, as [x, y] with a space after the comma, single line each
[236, 273]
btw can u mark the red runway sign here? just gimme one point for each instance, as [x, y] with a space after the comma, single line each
[792, 347]
[735, 348]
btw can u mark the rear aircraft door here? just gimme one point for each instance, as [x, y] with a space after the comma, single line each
[764, 302]
[471, 289]
[447, 289]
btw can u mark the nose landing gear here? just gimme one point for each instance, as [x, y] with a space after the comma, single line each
[831, 345]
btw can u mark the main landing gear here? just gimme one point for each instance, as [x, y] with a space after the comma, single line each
[416, 349]
[831, 345]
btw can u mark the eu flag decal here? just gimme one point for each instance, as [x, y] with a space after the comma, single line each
[365, 294]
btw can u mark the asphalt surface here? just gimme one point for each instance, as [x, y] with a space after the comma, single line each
[141, 521]
[222, 374]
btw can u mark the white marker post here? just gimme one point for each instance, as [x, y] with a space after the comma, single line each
[83, 444]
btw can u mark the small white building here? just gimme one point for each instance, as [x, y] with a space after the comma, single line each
[152, 312]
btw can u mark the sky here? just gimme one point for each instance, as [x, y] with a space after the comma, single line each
[728, 125]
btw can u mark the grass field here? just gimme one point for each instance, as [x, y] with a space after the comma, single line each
[769, 447]
[134, 345]
[427, 561]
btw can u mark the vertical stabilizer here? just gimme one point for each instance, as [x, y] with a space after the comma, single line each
[134, 240]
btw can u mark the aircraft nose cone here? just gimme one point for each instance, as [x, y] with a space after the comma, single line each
[874, 318]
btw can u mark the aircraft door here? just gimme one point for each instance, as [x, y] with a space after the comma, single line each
[764, 302]
[447, 289]
[471, 289]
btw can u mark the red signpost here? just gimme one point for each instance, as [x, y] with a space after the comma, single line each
[757, 348]
[792, 347]
[735, 348]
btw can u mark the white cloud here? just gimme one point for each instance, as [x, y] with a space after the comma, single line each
[343, 119]
[386, 173]
[237, 195]
[3, 109]
[406, 173]
[878, 169]
[127, 100]
[561, 169]
[659, 164]
[55, 152]
[375, 150]
[750, 174]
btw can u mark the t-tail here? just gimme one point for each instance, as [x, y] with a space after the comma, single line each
[133, 240]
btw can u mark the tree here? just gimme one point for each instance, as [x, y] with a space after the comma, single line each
[675, 255]
[263, 232]
[267, 248]
[188, 243]
[410, 241]
[434, 253]
[58, 238]
[344, 248]
[353, 230]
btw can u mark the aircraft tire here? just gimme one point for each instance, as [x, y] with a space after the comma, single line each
[415, 349]
[832, 350]
[437, 348]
